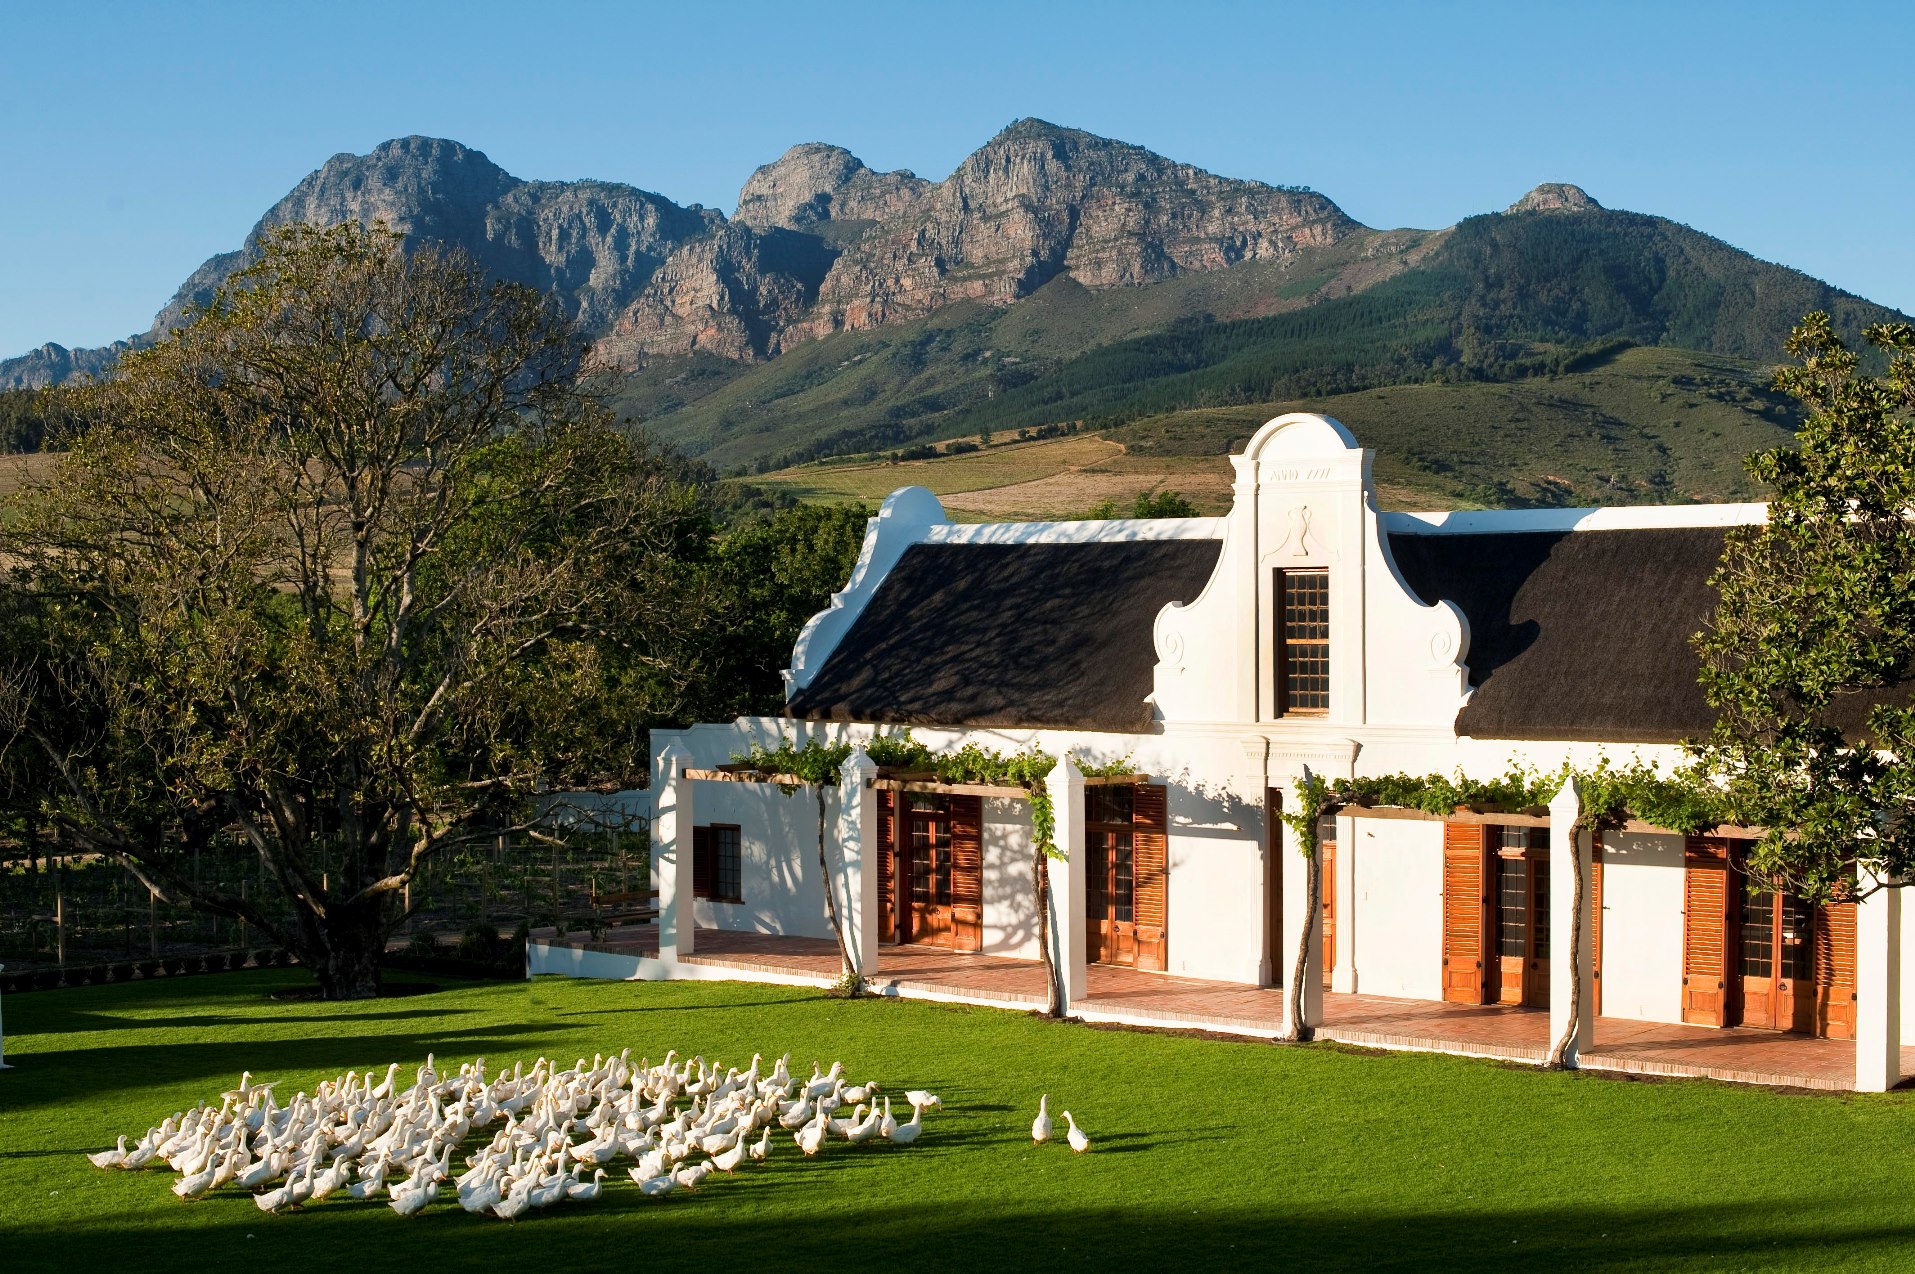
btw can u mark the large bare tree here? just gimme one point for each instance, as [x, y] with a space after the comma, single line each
[352, 565]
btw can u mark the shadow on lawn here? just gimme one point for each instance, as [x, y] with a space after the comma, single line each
[759, 1221]
[75, 1021]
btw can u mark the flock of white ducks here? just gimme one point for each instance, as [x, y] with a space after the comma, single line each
[558, 1132]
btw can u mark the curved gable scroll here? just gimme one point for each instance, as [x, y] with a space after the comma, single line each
[1303, 502]
[905, 518]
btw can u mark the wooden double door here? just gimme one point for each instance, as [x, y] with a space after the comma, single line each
[1496, 939]
[1762, 957]
[930, 871]
[1125, 875]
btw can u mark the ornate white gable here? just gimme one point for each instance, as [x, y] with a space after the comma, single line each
[1303, 501]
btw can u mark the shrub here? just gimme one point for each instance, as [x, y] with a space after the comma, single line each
[424, 944]
[482, 944]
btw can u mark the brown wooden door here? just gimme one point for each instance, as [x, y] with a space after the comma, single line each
[1706, 903]
[1511, 894]
[887, 867]
[1775, 962]
[1125, 870]
[1327, 853]
[928, 878]
[1465, 909]
[1835, 971]
[1112, 897]
[1273, 886]
[967, 872]
[1150, 842]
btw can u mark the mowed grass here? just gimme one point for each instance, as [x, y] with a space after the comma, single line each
[1209, 1153]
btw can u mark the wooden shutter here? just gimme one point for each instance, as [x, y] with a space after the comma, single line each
[1327, 855]
[967, 873]
[1595, 914]
[887, 868]
[1705, 932]
[1465, 935]
[1150, 876]
[704, 863]
[1835, 970]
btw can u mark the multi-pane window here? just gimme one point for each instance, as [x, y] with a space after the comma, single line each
[1111, 874]
[1303, 645]
[930, 829]
[1522, 891]
[1512, 906]
[715, 863]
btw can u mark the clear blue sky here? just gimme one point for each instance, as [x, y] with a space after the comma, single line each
[138, 139]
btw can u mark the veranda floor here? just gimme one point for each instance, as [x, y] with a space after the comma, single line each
[1516, 1034]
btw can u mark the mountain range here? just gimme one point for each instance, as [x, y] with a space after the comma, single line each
[1055, 276]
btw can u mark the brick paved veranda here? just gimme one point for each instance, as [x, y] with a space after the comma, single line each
[1156, 999]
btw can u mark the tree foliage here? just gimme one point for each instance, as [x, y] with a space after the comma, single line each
[351, 566]
[1814, 635]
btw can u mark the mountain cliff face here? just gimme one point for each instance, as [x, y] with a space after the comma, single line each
[820, 242]
[1038, 201]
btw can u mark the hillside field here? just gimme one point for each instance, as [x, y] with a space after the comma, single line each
[1647, 426]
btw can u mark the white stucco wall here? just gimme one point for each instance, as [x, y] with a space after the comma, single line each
[1214, 898]
[1398, 913]
[1642, 926]
[778, 858]
[1010, 910]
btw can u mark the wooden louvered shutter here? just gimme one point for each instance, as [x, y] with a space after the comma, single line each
[1150, 875]
[704, 863]
[1595, 914]
[1835, 971]
[967, 873]
[1705, 932]
[887, 849]
[1465, 906]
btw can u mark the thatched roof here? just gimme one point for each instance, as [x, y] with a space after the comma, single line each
[1032, 635]
[1576, 635]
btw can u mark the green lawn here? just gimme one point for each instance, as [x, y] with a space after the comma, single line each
[1208, 1153]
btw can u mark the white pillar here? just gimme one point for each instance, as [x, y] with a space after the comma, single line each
[1572, 962]
[1878, 987]
[672, 853]
[1299, 916]
[1070, 880]
[858, 849]
[1343, 967]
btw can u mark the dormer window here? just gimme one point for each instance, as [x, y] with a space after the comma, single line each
[1303, 643]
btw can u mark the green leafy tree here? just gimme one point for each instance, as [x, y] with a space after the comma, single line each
[1815, 630]
[351, 567]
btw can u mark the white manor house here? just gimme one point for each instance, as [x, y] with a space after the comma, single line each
[1223, 659]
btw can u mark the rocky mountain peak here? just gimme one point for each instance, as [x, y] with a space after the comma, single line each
[813, 183]
[1555, 196]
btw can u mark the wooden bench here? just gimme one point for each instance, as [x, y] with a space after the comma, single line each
[635, 906]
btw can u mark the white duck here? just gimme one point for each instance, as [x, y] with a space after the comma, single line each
[923, 1100]
[1041, 1126]
[907, 1134]
[332, 1179]
[811, 1137]
[762, 1148]
[658, 1187]
[728, 1161]
[689, 1177]
[114, 1158]
[1079, 1142]
[192, 1187]
[410, 1200]
[865, 1131]
[516, 1201]
[290, 1195]
[586, 1191]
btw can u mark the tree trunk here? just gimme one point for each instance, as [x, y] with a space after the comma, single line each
[851, 974]
[344, 953]
[1053, 981]
[1559, 1051]
[1296, 1028]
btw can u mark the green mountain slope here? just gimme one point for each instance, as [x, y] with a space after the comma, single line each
[1500, 298]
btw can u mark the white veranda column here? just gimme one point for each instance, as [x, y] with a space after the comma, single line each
[1571, 965]
[1299, 916]
[672, 853]
[1878, 987]
[858, 849]
[1343, 977]
[1070, 878]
